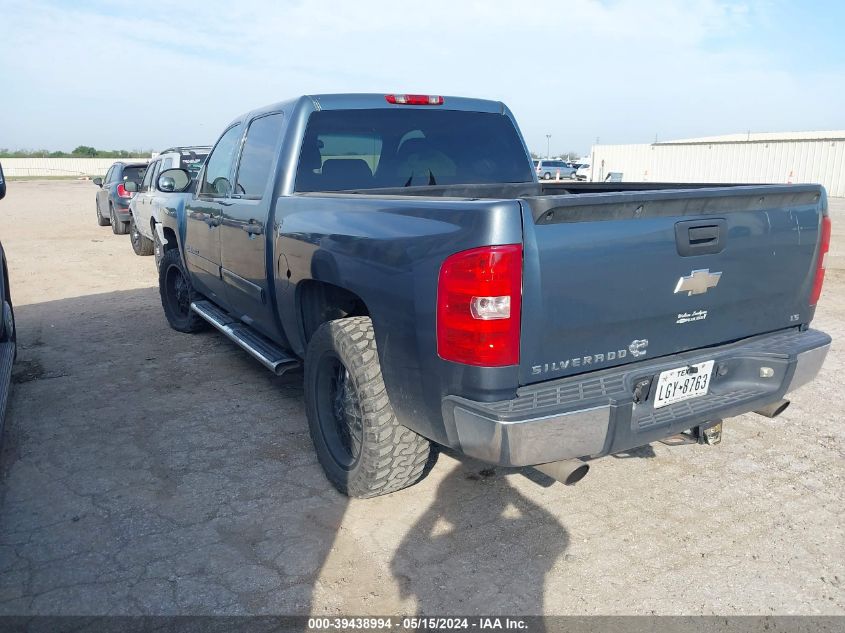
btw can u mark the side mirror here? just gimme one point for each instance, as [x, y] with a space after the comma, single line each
[2, 184]
[131, 186]
[173, 181]
[98, 182]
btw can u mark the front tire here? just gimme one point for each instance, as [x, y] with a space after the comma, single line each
[140, 244]
[10, 334]
[362, 447]
[177, 294]
[118, 227]
[547, 176]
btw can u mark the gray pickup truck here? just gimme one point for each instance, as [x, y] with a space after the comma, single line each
[401, 248]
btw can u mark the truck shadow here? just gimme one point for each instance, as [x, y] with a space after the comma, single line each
[146, 471]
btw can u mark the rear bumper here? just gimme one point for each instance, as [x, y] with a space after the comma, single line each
[595, 414]
[121, 209]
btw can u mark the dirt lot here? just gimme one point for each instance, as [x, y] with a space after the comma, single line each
[146, 471]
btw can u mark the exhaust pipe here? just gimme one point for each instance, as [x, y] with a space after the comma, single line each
[567, 472]
[773, 410]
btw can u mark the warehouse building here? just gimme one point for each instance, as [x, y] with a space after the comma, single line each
[788, 157]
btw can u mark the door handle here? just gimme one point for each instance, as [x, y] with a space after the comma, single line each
[253, 228]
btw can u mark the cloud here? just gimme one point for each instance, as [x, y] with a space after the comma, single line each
[123, 74]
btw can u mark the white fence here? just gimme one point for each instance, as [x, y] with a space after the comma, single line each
[70, 167]
[790, 161]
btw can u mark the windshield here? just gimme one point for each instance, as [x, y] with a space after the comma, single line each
[366, 149]
[134, 173]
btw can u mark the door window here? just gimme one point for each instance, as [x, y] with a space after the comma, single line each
[148, 177]
[215, 180]
[257, 156]
[109, 174]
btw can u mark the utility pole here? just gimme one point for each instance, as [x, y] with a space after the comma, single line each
[548, 145]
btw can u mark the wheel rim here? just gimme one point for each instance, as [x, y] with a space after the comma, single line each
[178, 292]
[339, 411]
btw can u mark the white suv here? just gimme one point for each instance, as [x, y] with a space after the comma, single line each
[145, 207]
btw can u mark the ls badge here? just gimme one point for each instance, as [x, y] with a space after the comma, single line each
[698, 282]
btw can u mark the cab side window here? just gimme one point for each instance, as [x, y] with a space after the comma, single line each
[109, 174]
[215, 180]
[257, 156]
[148, 177]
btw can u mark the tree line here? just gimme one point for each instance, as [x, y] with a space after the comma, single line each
[82, 151]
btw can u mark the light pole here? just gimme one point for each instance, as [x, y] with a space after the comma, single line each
[548, 145]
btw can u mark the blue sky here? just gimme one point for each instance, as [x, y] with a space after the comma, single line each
[146, 75]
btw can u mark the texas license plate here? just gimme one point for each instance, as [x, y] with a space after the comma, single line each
[682, 383]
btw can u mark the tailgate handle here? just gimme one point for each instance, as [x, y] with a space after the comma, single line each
[700, 237]
[703, 234]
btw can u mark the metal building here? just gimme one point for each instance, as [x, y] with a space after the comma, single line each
[788, 157]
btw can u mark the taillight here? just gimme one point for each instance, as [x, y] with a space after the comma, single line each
[121, 191]
[414, 99]
[824, 247]
[479, 300]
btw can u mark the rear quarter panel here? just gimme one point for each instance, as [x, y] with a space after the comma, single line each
[388, 251]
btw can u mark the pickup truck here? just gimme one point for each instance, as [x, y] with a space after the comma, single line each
[401, 249]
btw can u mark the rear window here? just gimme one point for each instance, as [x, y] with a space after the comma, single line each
[366, 149]
[135, 174]
[192, 162]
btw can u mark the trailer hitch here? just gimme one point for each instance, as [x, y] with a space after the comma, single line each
[709, 433]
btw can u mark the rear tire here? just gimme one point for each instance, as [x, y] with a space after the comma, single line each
[177, 294]
[362, 447]
[101, 221]
[118, 227]
[140, 244]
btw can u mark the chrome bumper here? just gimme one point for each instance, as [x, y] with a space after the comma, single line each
[595, 414]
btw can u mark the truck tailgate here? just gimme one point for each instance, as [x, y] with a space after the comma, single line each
[612, 278]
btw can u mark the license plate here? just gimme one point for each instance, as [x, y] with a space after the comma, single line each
[682, 383]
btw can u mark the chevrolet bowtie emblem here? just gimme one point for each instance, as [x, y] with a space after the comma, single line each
[698, 282]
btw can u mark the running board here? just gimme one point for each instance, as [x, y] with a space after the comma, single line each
[264, 351]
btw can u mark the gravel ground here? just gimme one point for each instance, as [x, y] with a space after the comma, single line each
[146, 471]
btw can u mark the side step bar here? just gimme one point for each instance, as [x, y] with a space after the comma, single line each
[264, 351]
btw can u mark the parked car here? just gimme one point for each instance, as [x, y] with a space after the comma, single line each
[145, 206]
[113, 199]
[8, 335]
[548, 169]
[583, 173]
[401, 248]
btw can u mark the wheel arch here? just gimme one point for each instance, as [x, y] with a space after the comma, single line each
[318, 302]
